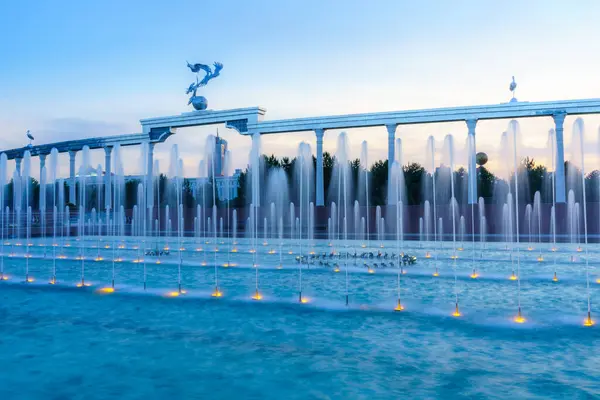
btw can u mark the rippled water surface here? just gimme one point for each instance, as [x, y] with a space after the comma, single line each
[64, 342]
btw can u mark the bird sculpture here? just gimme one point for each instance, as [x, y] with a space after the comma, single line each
[30, 137]
[512, 87]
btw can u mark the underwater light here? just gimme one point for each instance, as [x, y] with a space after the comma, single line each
[436, 273]
[304, 300]
[52, 281]
[265, 243]
[173, 294]
[67, 245]
[135, 247]
[106, 290]
[107, 246]
[336, 269]
[4, 277]
[157, 261]
[81, 284]
[579, 249]
[234, 250]
[279, 266]
[399, 306]
[371, 270]
[98, 259]
[217, 293]
[290, 252]
[29, 279]
[18, 244]
[271, 251]
[257, 296]
[460, 249]
[427, 255]
[454, 257]
[519, 318]
[553, 249]
[540, 259]
[203, 263]
[474, 275]
[62, 257]
[182, 249]
[555, 278]
[198, 248]
[530, 248]
[456, 312]
[513, 277]
[362, 245]
[589, 321]
[251, 251]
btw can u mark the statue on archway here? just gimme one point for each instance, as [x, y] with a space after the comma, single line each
[200, 102]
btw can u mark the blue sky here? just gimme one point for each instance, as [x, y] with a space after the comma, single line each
[74, 69]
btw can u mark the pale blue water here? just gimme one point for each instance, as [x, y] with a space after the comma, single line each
[63, 342]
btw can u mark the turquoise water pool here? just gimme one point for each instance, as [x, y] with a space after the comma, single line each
[63, 342]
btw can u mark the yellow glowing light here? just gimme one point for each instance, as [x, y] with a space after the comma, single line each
[257, 296]
[62, 257]
[427, 255]
[52, 282]
[98, 259]
[519, 319]
[530, 248]
[540, 258]
[5, 277]
[217, 293]
[589, 321]
[271, 251]
[106, 290]
[107, 246]
[371, 271]
[460, 249]
[598, 280]
[312, 253]
[513, 277]
[436, 274]
[251, 251]
[336, 269]
[182, 249]
[166, 248]
[363, 245]
[456, 313]
[79, 258]
[454, 257]
[554, 249]
[118, 259]
[474, 275]
[304, 300]
[555, 278]
[234, 250]
[579, 249]
[30, 280]
[67, 244]
[399, 307]
[86, 285]
[121, 246]
[158, 261]
[173, 294]
[290, 252]
[54, 244]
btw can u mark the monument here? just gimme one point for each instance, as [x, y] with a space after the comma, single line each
[199, 102]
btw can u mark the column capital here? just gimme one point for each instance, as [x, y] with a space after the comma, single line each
[320, 133]
[471, 124]
[391, 128]
[107, 150]
[42, 156]
[559, 118]
[72, 153]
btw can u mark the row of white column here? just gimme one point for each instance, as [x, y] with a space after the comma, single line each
[559, 119]
[107, 169]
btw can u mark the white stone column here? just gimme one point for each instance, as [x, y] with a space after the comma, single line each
[320, 184]
[559, 173]
[150, 175]
[72, 198]
[391, 128]
[472, 184]
[42, 164]
[107, 177]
